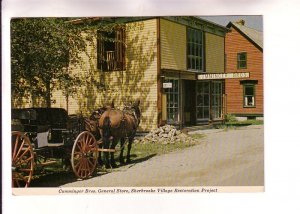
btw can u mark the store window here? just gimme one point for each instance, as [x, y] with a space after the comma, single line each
[172, 101]
[249, 95]
[194, 49]
[242, 60]
[111, 50]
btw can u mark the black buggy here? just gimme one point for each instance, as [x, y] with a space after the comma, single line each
[40, 134]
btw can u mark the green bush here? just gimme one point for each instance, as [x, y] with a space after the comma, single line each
[230, 118]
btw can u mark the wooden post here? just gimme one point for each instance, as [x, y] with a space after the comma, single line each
[159, 80]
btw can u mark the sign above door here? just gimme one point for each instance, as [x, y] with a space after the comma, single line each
[223, 76]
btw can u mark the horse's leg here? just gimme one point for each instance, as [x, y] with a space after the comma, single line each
[121, 157]
[98, 137]
[106, 143]
[112, 154]
[100, 161]
[130, 140]
[106, 135]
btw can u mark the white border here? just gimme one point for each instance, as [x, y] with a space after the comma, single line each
[282, 80]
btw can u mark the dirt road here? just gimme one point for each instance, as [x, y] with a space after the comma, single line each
[225, 158]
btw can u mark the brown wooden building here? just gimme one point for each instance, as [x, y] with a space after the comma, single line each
[244, 53]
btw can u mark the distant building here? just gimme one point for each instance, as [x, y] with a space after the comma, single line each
[244, 53]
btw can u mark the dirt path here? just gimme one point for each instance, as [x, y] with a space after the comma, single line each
[225, 158]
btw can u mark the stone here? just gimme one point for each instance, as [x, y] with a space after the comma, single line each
[166, 135]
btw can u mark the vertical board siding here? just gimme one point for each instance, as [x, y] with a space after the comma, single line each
[236, 43]
[138, 81]
[214, 53]
[173, 45]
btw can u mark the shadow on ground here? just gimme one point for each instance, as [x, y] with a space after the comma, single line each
[56, 179]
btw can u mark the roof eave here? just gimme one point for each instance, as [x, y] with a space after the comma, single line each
[230, 24]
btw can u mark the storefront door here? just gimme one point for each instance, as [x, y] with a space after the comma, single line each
[216, 95]
[203, 101]
[189, 103]
[209, 93]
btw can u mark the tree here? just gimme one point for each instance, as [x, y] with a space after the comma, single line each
[41, 51]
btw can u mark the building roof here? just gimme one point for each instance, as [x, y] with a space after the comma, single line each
[193, 21]
[253, 35]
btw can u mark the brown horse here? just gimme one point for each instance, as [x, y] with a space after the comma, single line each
[117, 125]
[91, 124]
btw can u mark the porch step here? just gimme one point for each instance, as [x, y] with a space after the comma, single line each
[195, 128]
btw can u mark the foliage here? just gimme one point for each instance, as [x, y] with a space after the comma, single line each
[230, 118]
[42, 50]
[244, 123]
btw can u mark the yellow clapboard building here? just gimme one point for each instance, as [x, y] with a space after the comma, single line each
[157, 60]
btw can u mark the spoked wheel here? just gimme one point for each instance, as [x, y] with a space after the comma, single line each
[22, 160]
[84, 155]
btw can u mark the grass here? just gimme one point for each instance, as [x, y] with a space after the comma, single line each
[233, 124]
[140, 151]
[246, 122]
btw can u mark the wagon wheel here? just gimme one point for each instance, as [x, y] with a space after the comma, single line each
[22, 160]
[84, 155]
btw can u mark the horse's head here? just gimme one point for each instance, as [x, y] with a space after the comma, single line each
[97, 114]
[90, 125]
[136, 107]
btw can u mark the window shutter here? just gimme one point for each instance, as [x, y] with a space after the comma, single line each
[120, 48]
[100, 51]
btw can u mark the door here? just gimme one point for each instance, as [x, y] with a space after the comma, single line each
[189, 102]
[216, 100]
[203, 101]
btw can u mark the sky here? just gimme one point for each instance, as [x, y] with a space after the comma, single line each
[255, 22]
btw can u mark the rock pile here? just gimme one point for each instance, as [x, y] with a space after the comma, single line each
[167, 135]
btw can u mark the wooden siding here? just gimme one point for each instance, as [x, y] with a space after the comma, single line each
[214, 52]
[173, 45]
[138, 81]
[236, 43]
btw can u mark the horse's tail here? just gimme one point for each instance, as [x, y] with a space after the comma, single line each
[106, 128]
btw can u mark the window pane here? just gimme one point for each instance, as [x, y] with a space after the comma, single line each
[249, 95]
[242, 64]
[250, 100]
[242, 60]
[190, 62]
[194, 47]
[193, 63]
[206, 87]
[201, 64]
[199, 100]
[172, 100]
[206, 100]
[242, 56]
[249, 90]
[206, 112]
[198, 64]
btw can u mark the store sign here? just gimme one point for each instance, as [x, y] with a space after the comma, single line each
[167, 85]
[223, 76]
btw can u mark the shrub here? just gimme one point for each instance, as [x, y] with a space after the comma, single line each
[230, 118]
